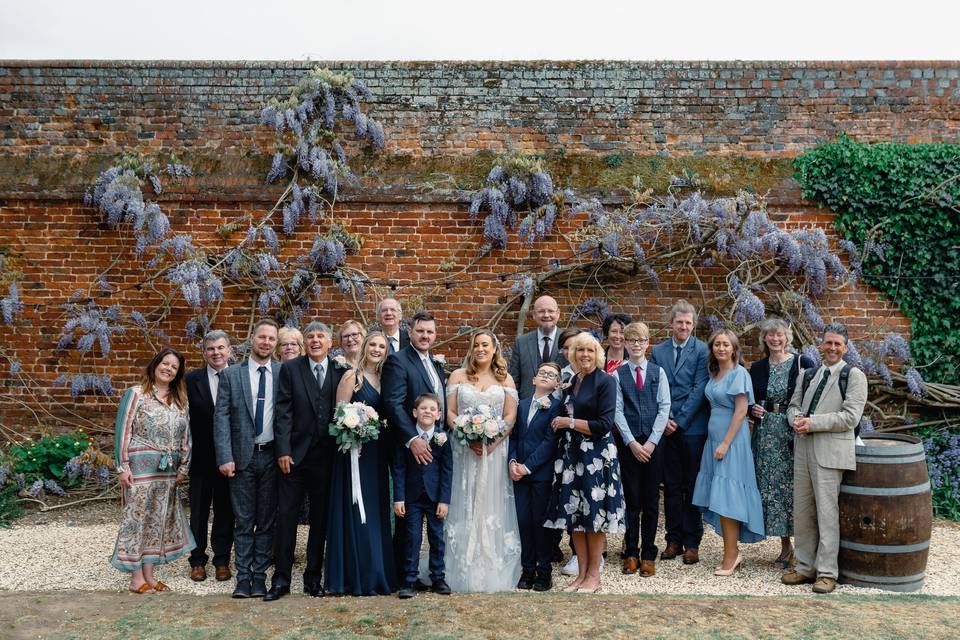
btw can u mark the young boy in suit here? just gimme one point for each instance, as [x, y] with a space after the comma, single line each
[533, 447]
[423, 491]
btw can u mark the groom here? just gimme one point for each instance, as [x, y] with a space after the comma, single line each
[408, 374]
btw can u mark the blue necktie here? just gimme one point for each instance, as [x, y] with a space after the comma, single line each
[261, 399]
[677, 359]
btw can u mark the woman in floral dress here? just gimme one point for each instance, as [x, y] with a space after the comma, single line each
[152, 444]
[774, 379]
[587, 497]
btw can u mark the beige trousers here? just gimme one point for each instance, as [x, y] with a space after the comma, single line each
[816, 515]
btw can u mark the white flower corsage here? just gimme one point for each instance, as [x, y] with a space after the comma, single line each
[542, 404]
[340, 361]
[439, 359]
[440, 438]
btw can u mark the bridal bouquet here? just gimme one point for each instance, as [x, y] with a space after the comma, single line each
[353, 424]
[478, 424]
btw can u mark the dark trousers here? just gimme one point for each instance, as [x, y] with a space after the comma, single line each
[681, 464]
[253, 493]
[206, 489]
[311, 477]
[641, 492]
[417, 510]
[399, 540]
[536, 546]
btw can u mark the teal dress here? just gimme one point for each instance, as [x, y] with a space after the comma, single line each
[728, 487]
[773, 456]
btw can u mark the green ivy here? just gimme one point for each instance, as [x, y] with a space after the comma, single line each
[902, 199]
[44, 458]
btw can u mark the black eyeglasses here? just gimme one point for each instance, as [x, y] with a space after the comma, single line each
[549, 375]
[638, 340]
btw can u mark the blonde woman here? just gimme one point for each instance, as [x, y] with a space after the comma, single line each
[351, 336]
[289, 344]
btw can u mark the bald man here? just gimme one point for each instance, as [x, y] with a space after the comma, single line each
[390, 315]
[536, 347]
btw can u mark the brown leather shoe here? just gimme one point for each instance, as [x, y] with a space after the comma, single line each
[223, 573]
[691, 556]
[629, 565]
[824, 585]
[647, 568]
[198, 574]
[672, 551]
[795, 577]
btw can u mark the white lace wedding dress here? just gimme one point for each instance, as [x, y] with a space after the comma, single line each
[482, 536]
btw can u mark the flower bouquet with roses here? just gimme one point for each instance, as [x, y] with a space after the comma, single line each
[355, 423]
[478, 424]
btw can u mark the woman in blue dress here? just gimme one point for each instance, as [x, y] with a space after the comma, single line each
[726, 488]
[359, 557]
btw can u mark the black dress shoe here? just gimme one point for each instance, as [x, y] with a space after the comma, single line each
[440, 586]
[526, 580]
[276, 593]
[258, 588]
[406, 591]
[543, 581]
[420, 585]
[242, 589]
[314, 589]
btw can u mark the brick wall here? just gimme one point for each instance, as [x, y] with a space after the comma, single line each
[61, 122]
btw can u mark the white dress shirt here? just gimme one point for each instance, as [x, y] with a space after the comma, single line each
[663, 404]
[394, 340]
[252, 366]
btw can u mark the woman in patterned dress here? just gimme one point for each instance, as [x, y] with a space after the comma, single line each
[774, 379]
[587, 497]
[152, 454]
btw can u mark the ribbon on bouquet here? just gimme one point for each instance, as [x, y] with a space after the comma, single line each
[355, 482]
[478, 525]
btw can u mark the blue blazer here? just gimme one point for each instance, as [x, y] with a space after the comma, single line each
[688, 380]
[535, 444]
[402, 380]
[411, 479]
[595, 402]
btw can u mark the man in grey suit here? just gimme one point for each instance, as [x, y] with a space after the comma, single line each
[243, 438]
[684, 359]
[533, 348]
[824, 447]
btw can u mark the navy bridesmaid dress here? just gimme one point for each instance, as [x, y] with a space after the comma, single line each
[359, 558]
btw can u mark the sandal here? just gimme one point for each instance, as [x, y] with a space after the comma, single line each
[142, 589]
[784, 563]
[159, 587]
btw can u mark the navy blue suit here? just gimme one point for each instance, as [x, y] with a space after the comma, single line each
[534, 445]
[422, 487]
[684, 447]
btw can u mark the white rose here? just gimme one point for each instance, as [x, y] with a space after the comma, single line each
[491, 429]
[351, 420]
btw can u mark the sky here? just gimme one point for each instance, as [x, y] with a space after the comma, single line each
[480, 30]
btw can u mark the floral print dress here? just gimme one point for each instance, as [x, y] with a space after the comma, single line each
[773, 458]
[152, 441]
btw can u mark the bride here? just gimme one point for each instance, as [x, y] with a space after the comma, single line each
[482, 536]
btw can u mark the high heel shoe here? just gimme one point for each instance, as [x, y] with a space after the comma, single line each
[720, 571]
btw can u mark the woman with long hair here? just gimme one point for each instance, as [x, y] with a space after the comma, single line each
[359, 559]
[483, 536]
[152, 455]
[726, 488]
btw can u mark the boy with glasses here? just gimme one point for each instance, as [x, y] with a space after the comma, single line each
[643, 407]
[533, 445]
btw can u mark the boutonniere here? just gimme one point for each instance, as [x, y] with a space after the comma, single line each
[440, 438]
[439, 359]
[542, 404]
[340, 362]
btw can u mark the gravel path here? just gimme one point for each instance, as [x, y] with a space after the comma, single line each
[62, 553]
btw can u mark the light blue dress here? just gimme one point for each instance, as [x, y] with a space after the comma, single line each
[728, 487]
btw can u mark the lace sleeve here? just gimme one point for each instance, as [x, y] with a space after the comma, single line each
[452, 389]
[512, 393]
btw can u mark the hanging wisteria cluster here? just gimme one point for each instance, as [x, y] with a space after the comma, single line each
[10, 306]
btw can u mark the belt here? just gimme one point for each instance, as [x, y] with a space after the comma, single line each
[775, 407]
[262, 446]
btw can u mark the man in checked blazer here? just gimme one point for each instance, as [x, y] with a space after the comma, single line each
[529, 349]
[824, 447]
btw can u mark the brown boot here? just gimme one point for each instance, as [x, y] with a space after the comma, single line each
[647, 568]
[198, 574]
[795, 577]
[691, 556]
[672, 551]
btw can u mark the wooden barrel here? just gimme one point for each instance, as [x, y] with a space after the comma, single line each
[886, 515]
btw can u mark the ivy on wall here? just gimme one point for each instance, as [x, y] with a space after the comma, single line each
[900, 203]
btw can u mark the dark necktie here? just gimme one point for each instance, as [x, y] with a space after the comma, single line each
[261, 399]
[676, 360]
[816, 394]
[545, 356]
[390, 348]
[639, 379]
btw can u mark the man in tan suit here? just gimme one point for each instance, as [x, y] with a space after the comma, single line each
[824, 446]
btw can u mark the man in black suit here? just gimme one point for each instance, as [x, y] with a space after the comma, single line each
[533, 348]
[306, 399]
[243, 434]
[207, 484]
[408, 374]
[390, 315]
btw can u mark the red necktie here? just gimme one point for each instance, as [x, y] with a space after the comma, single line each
[639, 379]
